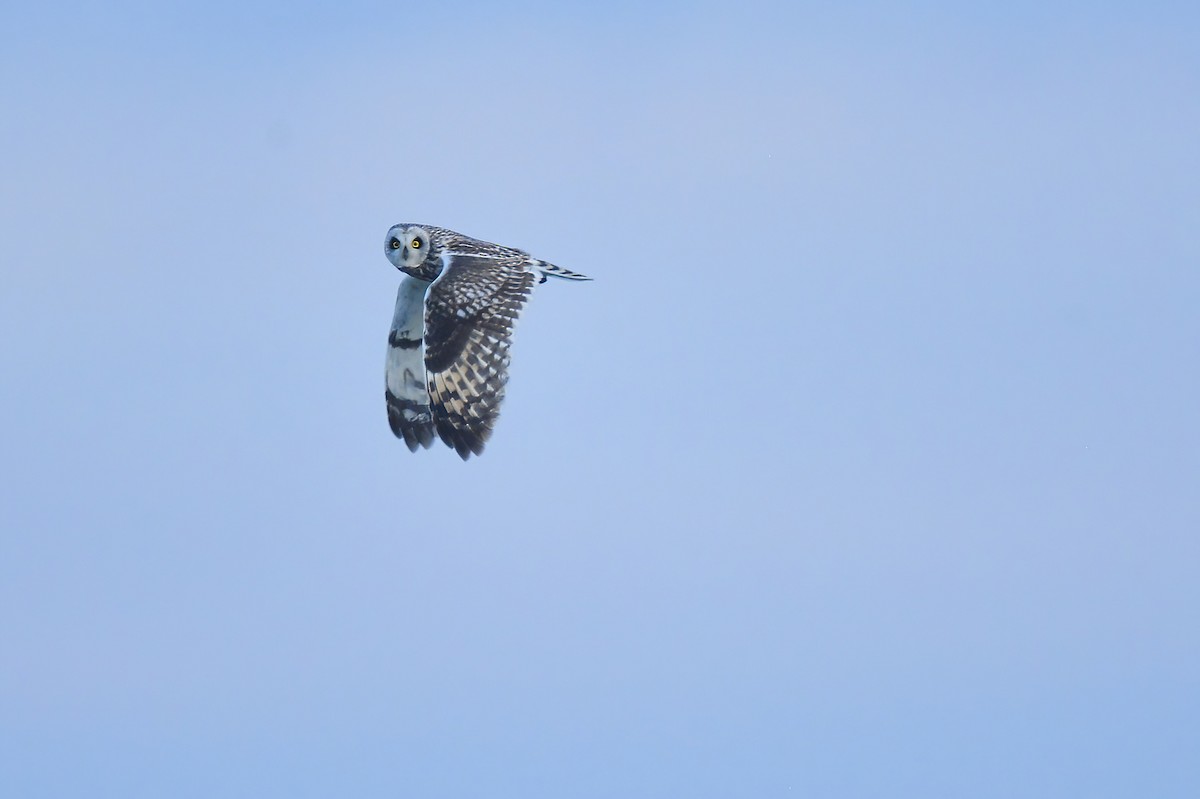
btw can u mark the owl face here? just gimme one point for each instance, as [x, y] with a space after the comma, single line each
[410, 249]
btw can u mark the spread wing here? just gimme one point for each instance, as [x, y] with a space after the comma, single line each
[406, 393]
[470, 312]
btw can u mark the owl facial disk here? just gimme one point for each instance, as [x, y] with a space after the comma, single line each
[407, 247]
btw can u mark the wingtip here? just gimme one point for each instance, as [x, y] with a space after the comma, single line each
[467, 445]
[462, 442]
[554, 270]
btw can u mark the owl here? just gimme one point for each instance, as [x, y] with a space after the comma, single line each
[448, 350]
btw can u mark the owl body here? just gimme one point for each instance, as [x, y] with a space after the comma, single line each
[448, 349]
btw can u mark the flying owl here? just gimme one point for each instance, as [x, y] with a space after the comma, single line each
[448, 350]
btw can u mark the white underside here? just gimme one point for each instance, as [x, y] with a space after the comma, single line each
[405, 369]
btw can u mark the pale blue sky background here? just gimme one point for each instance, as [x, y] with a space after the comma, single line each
[868, 465]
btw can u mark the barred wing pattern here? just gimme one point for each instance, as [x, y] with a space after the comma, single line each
[406, 393]
[470, 312]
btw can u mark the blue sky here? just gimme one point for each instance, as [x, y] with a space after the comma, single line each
[867, 466]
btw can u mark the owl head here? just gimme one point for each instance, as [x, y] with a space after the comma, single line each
[411, 249]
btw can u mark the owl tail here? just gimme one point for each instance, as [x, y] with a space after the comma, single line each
[550, 270]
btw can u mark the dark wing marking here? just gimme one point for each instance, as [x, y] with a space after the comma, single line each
[470, 312]
[406, 393]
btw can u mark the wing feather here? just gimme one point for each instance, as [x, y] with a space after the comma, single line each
[470, 313]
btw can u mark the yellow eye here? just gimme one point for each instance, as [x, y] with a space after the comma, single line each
[395, 243]
[415, 244]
